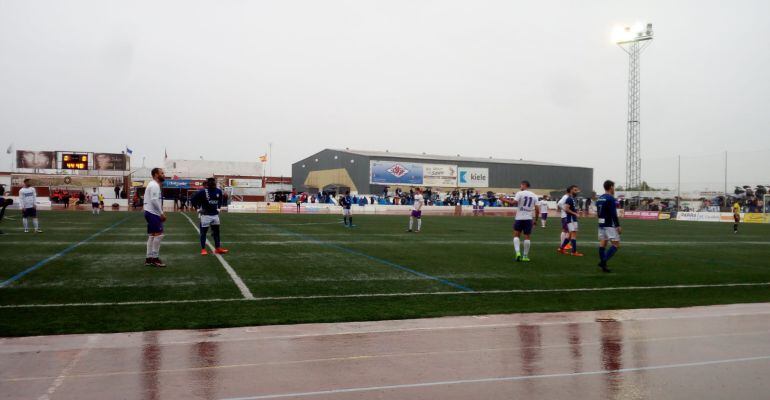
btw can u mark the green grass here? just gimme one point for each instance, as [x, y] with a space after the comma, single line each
[281, 257]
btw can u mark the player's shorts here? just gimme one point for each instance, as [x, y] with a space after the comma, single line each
[544, 216]
[154, 223]
[737, 217]
[208, 220]
[417, 214]
[29, 212]
[523, 225]
[572, 226]
[346, 212]
[564, 224]
[611, 234]
[94, 205]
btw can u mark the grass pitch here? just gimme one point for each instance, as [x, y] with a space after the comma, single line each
[86, 273]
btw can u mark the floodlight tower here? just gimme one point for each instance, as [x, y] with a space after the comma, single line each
[633, 40]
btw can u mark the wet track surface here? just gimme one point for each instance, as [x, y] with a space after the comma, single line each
[713, 352]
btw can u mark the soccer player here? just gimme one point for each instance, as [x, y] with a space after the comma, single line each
[346, 202]
[28, 198]
[609, 224]
[560, 205]
[527, 209]
[94, 202]
[542, 206]
[155, 217]
[416, 214]
[4, 203]
[736, 216]
[570, 208]
[208, 201]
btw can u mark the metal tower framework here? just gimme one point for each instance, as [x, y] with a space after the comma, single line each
[635, 43]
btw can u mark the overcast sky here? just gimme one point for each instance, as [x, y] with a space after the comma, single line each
[538, 80]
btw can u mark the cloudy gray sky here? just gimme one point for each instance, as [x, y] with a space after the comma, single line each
[539, 80]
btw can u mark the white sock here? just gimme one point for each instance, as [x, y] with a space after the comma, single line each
[527, 243]
[411, 222]
[156, 245]
[516, 245]
[35, 223]
[150, 241]
[98, 210]
[25, 223]
[419, 224]
[561, 238]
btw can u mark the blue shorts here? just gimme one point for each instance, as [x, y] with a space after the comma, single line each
[564, 223]
[94, 205]
[417, 214]
[544, 216]
[154, 223]
[29, 212]
[523, 225]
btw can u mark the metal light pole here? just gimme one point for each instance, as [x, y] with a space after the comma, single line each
[633, 41]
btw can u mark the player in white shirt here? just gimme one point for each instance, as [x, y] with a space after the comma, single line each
[28, 198]
[94, 202]
[416, 214]
[153, 213]
[564, 228]
[542, 206]
[526, 211]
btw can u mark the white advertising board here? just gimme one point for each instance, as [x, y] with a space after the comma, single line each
[473, 177]
[439, 175]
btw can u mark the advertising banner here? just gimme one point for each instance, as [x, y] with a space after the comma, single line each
[664, 216]
[110, 162]
[646, 215]
[395, 173]
[754, 218]
[246, 183]
[35, 159]
[73, 180]
[701, 216]
[439, 175]
[473, 177]
[183, 184]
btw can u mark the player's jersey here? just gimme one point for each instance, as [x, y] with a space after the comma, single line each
[543, 205]
[418, 202]
[525, 205]
[346, 202]
[208, 201]
[27, 197]
[153, 199]
[94, 198]
[560, 205]
[607, 212]
[571, 205]
[736, 208]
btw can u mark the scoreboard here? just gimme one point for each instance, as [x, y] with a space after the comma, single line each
[76, 161]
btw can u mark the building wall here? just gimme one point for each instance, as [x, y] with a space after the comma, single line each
[501, 175]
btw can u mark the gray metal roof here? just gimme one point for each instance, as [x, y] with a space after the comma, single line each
[436, 157]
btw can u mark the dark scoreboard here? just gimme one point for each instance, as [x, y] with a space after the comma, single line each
[77, 161]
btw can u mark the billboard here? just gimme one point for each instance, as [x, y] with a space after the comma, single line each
[439, 175]
[35, 159]
[110, 162]
[246, 183]
[473, 177]
[395, 173]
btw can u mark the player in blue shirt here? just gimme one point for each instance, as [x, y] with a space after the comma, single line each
[346, 202]
[570, 209]
[609, 224]
[208, 201]
[4, 203]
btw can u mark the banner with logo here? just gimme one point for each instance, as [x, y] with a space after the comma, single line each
[35, 159]
[754, 218]
[184, 184]
[68, 180]
[110, 162]
[646, 215]
[473, 177]
[439, 175]
[395, 173]
[246, 183]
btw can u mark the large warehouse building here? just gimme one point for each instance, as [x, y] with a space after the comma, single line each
[369, 172]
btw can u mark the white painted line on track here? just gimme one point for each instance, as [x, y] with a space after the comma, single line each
[230, 271]
[500, 379]
[397, 294]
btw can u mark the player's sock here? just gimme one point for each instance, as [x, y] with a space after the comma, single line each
[350, 219]
[419, 224]
[611, 252]
[735, 227]
[24, 221]
[561, 238]
[574, 245]
[156, 246]
[150, 241]
[35, 224]
[527, 243]
[516, 245]
[565, 242]
[215, 233]
[411, 222]
[602, 254]
[204, 230]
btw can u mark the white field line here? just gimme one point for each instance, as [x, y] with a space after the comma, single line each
[63, 375]
[230, 271]
[500, 379]
[399, 294]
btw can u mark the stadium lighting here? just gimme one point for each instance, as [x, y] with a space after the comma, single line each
[633, 40]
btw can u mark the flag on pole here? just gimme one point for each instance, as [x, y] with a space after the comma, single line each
[263, 158]
[129, 151]
[165, 154]
[9, 149]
